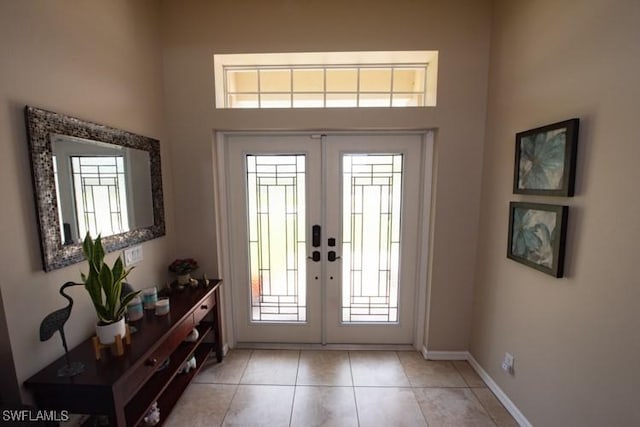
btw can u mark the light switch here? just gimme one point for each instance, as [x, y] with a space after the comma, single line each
[132, 255]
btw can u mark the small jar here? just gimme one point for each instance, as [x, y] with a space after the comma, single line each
[149, 298]
[134, 309]
[162, 307]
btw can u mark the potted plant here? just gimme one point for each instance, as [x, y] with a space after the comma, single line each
[182, 268]
[104, 285]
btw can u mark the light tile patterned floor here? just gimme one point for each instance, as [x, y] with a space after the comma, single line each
[337, 388]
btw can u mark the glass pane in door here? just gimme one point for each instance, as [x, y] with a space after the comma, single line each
[371, 204]
[276, 229]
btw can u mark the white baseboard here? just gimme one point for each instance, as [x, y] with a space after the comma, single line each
[502, 397]
[493, 386]
[225, 349]
[444, 355]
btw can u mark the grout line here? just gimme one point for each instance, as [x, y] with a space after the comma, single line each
[230, 402]
[295, 388]
[495, 421]
[460, 373]
[424, 416]
[353, 388]
[470, 388]
[402, 367]
[237, 387]
[244, 371]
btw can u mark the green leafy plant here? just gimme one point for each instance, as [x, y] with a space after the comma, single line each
[104, 284]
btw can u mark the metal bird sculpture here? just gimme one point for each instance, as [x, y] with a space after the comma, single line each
[55, 322]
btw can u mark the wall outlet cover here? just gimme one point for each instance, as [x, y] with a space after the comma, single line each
[132, 255]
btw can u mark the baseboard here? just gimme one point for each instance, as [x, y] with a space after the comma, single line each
[225, 349]
[444, 355]
[502, 397]
[493, 386]
[343, 347]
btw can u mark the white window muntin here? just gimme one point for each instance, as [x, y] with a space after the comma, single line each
[426, 61]
[358, 96]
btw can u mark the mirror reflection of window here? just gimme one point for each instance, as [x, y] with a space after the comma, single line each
[64, 232]
[100, 194]
[102, 188]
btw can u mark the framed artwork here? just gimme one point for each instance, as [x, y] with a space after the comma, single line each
[537, 235]
[545, 161]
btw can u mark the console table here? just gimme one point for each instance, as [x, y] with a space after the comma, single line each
[125, 387]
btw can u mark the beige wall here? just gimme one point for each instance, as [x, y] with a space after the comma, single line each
[195, 30]
[575, 340]
[99, 61]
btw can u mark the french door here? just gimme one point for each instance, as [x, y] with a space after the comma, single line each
[324, 233]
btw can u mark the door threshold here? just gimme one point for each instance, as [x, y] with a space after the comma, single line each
[310, 346]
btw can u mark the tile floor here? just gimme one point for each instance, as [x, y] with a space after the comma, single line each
[337, 388]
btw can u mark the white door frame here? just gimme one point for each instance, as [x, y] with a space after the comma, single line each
[223, 236]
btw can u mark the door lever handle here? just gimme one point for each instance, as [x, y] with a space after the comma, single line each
[315, 256]
[332, 256]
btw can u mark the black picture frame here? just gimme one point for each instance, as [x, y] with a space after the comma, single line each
[545, 159]
[537, 236]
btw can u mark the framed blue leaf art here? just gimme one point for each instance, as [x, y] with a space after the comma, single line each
[537, 235]
[545, 161]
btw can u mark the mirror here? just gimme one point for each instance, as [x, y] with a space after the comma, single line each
[90, 177]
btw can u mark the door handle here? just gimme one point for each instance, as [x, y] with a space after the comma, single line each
[315, 256]
[331, 255]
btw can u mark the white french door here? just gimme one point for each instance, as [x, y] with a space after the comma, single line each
[324, 235]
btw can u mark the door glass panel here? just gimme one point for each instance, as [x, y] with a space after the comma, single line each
[372, 199]
[100, 195]
[277, 243]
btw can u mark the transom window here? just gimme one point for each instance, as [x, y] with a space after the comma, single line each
[329, 80]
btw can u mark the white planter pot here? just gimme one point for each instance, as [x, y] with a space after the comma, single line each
[107, 334]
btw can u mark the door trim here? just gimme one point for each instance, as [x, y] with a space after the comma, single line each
[424, 255]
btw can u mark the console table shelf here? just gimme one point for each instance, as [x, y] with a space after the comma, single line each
[124, 388]
[162, 380]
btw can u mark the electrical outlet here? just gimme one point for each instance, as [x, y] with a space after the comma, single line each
[507, 363]
[132, 255]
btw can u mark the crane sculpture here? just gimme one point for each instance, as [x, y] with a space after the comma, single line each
[55, 322]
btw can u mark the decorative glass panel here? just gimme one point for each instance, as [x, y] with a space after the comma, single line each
[277, 244]
[100, 195]
[372, 200]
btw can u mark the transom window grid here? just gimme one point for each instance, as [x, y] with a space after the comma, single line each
[100, 194]
[277, 244]
[372, 200]
[319, 86]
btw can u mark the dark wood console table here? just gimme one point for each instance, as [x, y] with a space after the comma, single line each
[125, 387]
